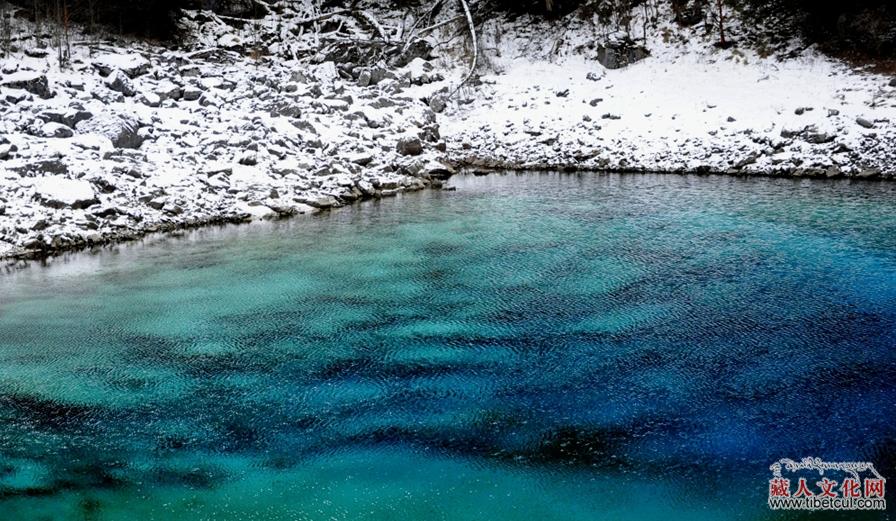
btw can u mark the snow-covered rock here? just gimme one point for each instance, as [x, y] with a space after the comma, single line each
[120, 82]
[57, 130]
[131, 64]
[59, 192]
[30, 81]
[121, 130]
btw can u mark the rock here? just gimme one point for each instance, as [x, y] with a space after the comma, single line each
[35, 52]
[374, 75]
[595, 101]
[620, 53]
[16, 96]
[190, 71]
[209, 100]
[32, 82]
[420, 49]
[151, 99]
[438, 103]
[168, 90]
[818, 138]
[257, 211]
[364, 78]
[60, 192]
[237, 8]
[318, 201]
[119, 82]
[69, 118]
[229, 41]
[749, 160]
[158, 203]
[132, 65]
[191, 93]
[563, 93]
[893, 82]
[248, 158]
[361, 159]
[57, 130]
[6, 151]
[438, 170]
[868, 173]
[610, 116]
[216, 167]
[287, 109]
[411, 146]
[862, 122]
[122, 131]
[325, 72]
[593, 76]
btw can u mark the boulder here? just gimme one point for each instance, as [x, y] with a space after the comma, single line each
[150, 99]
[325, 72]
[409, 146]
[438, 103]
[620, 53]
[120, 82]
[121, 130]
[30, 81]
[168, 90]
[192, 93]
[235, 8]
[69, 117]
[374, 75]
[132, 65]
[60, 192]
[56, 130]
[862, 122]
[420, 49]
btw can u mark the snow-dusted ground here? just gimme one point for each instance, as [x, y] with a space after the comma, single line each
[135, 138]
[689, 106]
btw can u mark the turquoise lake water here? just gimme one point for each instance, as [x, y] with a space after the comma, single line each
[529, 347]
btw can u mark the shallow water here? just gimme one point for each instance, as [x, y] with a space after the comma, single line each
[532, 346]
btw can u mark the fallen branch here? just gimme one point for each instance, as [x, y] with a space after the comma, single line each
[323, 17]
[370, 19]
[417, 36]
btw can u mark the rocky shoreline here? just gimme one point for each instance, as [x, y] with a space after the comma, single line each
[132, 138]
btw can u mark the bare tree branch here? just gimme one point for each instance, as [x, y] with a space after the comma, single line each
[475, 48]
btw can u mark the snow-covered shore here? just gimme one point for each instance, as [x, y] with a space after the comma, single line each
[141, 138]
[688, 107]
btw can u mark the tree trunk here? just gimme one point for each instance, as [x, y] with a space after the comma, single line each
[719, 4]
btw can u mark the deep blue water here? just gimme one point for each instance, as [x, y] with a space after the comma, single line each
[532, 346]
